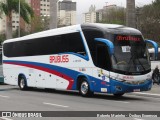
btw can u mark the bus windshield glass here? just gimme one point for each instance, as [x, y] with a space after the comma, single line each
[130, 55]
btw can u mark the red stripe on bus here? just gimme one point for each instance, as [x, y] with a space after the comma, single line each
[47, 70]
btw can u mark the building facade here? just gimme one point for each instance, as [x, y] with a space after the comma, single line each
[94, 16]
[44, 7]
[2, 21]
[99, 15]
[90, 17]
[66, 14]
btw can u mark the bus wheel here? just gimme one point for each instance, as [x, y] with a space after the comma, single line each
[85, 89]
[22, 83]
[119, 94]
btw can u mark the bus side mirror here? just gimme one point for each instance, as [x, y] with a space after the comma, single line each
[108, 43]
[155, 45]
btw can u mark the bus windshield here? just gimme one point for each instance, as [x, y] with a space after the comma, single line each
[130, 55]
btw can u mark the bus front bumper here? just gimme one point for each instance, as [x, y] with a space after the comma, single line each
[117, 87]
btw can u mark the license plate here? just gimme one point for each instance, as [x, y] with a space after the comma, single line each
[136, 90]
[103, 89]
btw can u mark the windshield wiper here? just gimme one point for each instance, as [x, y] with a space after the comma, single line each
[130, 64]
[133, 58]
[141, 64]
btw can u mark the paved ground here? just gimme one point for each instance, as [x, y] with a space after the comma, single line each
[12, 99]
[154, 92]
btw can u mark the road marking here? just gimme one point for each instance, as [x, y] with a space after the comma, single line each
[121, 101]
[4, 96]
[146, 94]
[138, 119]
[55, 104]
[2, 118]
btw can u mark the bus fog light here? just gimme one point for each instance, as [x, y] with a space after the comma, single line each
[119, 88]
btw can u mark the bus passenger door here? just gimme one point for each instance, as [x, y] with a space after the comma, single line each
[102, 57]
[103, 62]
[31, 77]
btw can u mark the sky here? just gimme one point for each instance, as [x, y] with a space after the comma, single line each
[83, 5]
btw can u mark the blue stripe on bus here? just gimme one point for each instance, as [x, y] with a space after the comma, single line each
[71, 73]
[95, 84]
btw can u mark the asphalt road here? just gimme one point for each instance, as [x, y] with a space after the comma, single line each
[12, 99]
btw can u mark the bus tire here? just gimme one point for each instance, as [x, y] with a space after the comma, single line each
[118, 94]
[84, 89]
[22, 83]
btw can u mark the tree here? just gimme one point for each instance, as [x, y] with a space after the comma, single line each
[11, 6]
[36, 24]
[2, 38]
[114, 16]
[39, 23]
[149, 21]
[23, 33]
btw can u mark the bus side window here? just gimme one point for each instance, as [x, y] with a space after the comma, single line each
[75, 43]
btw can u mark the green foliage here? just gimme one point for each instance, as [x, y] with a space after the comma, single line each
[149, 21]
[22, 33]
[2, 38]
[26, 12]
[36, 24]
[10, 6]
[114, 16]
[39, 23]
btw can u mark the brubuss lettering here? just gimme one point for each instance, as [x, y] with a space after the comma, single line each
[59, 59]
[127, 38]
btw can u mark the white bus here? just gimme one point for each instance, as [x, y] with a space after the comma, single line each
[154, 63]
[89, 57]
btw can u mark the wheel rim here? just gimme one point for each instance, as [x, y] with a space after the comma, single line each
[22, 83]
[84, 88]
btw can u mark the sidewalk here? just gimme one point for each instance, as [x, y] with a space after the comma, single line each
[155, 89]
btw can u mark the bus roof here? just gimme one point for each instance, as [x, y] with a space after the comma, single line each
[111, 28]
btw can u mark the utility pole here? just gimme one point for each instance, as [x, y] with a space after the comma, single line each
[53, 14]
[19, 28]
[131, 16]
